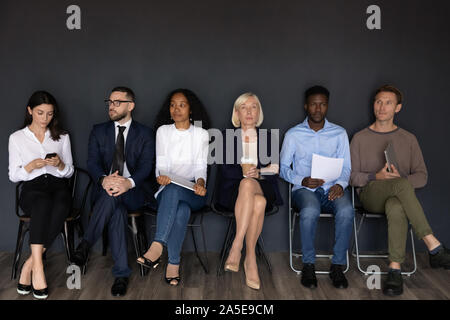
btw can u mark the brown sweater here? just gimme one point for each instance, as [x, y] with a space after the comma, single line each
[367, 152]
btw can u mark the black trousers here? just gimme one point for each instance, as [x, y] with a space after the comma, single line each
[47, 200]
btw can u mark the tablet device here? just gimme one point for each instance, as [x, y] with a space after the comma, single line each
[185, 183]
[389, 154]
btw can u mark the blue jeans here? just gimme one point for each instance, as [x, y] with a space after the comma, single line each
[310, 205]
[174, 210]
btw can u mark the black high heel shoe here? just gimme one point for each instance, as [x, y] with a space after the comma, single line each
[40, 294]
[177, 279]
[23, 289]
[149, 263]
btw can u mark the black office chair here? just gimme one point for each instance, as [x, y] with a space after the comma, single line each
[71, 222]
[195, 221]
[136, 224]
[231, 230]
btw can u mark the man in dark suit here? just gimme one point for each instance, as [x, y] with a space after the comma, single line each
[120, 160]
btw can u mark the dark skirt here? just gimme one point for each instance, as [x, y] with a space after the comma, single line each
[266, 188]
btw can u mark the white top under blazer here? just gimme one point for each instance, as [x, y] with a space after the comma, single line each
[182, 152]
[24, 147]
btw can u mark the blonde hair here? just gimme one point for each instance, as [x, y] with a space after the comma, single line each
[240, 100]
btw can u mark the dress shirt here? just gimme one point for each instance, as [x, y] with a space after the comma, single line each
[125, 173]
[300, 142]
[182, 152]
[24, 147]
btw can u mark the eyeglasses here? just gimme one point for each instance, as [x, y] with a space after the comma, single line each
[115, 103]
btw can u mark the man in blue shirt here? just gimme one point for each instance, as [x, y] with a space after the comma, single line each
[315, 135]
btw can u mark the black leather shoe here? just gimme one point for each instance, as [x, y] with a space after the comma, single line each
[119, 288]
[441, 259]
[80, 255]
[309, 279]
[337, 276]
[40, 294]
[394, 284]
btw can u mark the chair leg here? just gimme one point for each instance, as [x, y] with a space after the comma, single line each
[204, 265]
[142, 240]
[224, 248]
[18, 251]
[105, 241]
[64, 234]
[134, 230]
[260, 248]
[69, 230]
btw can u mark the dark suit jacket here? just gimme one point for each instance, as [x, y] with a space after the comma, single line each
[139, 156]
[231, 174]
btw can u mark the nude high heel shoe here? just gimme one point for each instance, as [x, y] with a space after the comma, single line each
[233, 267]
[254, 284]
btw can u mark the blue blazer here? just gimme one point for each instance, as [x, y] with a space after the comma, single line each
[139, 155]
[230, 174]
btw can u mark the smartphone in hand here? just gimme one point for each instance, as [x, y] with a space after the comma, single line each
[50, 155]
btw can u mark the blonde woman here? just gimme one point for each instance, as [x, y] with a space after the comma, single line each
[248, 187]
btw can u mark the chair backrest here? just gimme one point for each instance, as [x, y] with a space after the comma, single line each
[79, 184]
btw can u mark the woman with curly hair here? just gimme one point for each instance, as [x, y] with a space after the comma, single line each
[182, 151]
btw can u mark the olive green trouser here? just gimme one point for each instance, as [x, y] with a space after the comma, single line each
[397, 199]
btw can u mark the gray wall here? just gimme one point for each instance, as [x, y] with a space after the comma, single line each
[220, 49]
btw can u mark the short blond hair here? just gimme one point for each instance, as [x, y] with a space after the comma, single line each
[240, 100]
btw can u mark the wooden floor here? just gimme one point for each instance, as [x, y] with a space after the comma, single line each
[283, 283]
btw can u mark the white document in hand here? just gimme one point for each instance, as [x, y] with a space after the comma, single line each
[328, 169]
[178, 180]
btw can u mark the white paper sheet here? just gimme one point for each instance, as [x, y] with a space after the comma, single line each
[328, 169]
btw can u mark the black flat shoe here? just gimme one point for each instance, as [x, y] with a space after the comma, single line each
[394, 284]
[23, 289]
[309, 279]
[119, 288]
[441, 259]
[337, 276]
[40, 294]
[149, 263]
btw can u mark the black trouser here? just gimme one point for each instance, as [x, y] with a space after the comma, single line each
[47, 200]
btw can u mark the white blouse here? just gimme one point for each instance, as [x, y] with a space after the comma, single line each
[24, 147]
[182, 152]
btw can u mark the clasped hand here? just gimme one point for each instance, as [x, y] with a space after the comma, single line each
[115, 185]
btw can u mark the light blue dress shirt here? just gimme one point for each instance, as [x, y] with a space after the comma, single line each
[300, 142]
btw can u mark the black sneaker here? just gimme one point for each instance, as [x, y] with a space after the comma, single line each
[309, 279]
[441, 259]
[337, 276]
[394, 284]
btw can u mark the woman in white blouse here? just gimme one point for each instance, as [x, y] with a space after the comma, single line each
[40, 156]
[181, 153]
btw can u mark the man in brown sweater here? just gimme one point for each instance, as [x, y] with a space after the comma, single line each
[391, 191]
